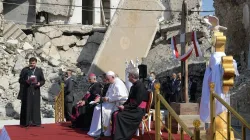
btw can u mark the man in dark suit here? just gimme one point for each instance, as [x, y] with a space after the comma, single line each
[68, 95]
[193, 89]
[172, 88]
[151, 81]
[166, 89]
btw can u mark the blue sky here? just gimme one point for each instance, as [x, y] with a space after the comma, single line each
[207, 5]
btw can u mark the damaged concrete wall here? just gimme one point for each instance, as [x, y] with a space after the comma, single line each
[176, 5]
[235, 16]
[230, 14]
[55, 7]
[55, 47]
[129, 35]
[63, 12]
[22, 12]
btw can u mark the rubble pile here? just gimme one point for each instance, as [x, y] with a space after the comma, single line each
[238, 46]
[240, 96]
[56, 48]
[160, 58]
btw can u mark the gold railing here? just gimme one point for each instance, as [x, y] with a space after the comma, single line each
[171, 114]
[228, 136]
[59, 105]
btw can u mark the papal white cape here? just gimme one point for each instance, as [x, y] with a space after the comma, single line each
[117, 94]
[213, 74]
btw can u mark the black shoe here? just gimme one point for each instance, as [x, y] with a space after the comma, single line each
[25, 126]
[85, 129]
[36, 125]
[72, 126]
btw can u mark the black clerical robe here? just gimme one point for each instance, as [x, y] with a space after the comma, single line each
[82, 115]
[125, 122]
[30, 96]
[68, 97]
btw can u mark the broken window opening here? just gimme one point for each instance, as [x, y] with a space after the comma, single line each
[42, 18]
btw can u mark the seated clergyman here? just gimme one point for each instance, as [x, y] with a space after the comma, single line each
[82, 112]
[127, 119]
[116, 94]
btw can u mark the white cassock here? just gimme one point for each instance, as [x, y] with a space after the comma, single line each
[213, 73]
[117, 94]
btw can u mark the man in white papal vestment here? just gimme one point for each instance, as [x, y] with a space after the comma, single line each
[116, 95]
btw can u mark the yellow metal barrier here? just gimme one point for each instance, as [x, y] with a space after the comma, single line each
[59, 106]
[229, 134]
[171, 113]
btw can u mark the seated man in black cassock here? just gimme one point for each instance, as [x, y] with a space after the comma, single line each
[127, 119]
[31, 79]
[82, 112]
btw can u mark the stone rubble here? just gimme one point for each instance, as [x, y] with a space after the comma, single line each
[62, 47]
[160, 57]
[54, 51]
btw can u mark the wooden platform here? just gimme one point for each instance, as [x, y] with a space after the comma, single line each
[60, 132]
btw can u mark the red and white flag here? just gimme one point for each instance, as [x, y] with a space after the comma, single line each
[184, 57]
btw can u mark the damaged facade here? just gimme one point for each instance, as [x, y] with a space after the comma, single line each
[238, 45]
[62, 46]
[87, 12]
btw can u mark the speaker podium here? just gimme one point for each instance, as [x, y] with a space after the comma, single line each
[142, 71]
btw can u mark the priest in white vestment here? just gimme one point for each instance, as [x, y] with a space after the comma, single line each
[116, 95]
[213, 74]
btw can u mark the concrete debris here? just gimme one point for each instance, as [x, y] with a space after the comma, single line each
[54, 62]
[64, 40]
[1, 8]
[27, 46]
[12, 31]
[46, 29]
[20, 63]
[4, 83]
[77, 29]
[54, 34]
[52, 49]
[82, 42]
[12, 44]
[65, 47]
[41, 39]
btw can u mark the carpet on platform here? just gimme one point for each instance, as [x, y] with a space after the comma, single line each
[63, 132]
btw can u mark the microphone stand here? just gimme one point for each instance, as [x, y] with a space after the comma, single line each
[102, 133]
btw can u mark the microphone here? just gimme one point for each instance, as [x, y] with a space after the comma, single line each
[102, 85]
[74, 81]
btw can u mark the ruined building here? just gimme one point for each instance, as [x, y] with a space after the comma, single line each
[235, 16]
[68, 34]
